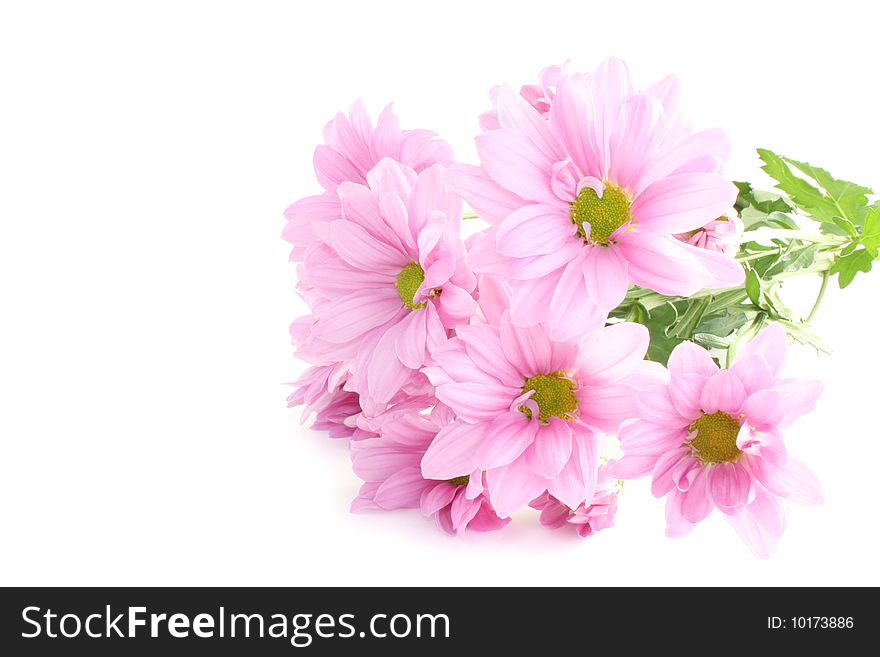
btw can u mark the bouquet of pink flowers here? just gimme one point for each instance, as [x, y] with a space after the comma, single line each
[617, 294]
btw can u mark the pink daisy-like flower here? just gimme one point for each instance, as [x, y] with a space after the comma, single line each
[389, 466]
[530, 411]
[712, 438]
[721, 234]
[588, 200]
[320, 390]
[352, 148]
[393, 277]
[539, 96]
[587, 519]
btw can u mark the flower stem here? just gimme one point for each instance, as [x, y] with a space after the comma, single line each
[819, 297]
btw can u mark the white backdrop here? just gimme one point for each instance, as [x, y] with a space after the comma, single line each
[147, 151]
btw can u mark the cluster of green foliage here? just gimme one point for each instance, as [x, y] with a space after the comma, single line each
[845, 241]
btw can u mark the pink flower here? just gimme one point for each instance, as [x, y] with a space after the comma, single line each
[721, 234]
[539, 96]
[320, 391]
[587, 519]
[389, 466]
[391, 278]
[352, 148]
[588, 200]
[712, 438]
[529, 410]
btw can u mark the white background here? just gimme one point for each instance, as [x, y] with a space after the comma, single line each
[147, 151]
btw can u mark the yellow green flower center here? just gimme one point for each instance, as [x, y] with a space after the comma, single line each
[554, 395]
[715, 441]
[408, 281]
[459, 481]
[604, 215]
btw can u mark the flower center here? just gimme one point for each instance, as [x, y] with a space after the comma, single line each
[715, 441]
[408, 281]
[604, 215]
[554, 395]
[459, 481]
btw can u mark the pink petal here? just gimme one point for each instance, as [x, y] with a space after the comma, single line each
[354, 314]
[436, 497]
[661, 476]
[611, 88]
[763, 409]
[753, 372]
[605, 273]
[488, 199]
[634, 139]
[801, 484]
[726, 271]
[611, 353]
[494, 298]
[677, 524]
[661, 264]
[530, 301]
[689, 358]
[402, 490]
[507, 437]
[534, 229]
[696, 505]
[576, 482]
[454, 305]
[723, 392]
[671, 158]
[569, 119]
[515, 112]
[605, 407]
[759, 527]
[513, 486]
[513, 161]
[332, 168]
[526, 348]
[451, 454]
[656, 404]
[386, 375]
[551, 448]
[771, 344]
[682, 202]
[729, 486]
[477, 402]
[412, 339]
[359, 249]
[572, 312]
[483, 343]
[798, 397]
[685, 391]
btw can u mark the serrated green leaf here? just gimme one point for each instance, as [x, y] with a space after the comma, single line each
[847, 226]
[833, 197]
[851, 264]
[660, 320]
[871, 229]
[849, 198]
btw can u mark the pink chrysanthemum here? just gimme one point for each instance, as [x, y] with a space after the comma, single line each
[721, 234]
[352, 147]
[587, 519]
[587, 200]
[712, 438]
[392, 280]
[530, 411]
[320, 390]
[539, 96]
[389, 466]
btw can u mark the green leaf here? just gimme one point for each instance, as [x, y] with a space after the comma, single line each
[849, 198]
[847, 227]
[659, 321]
[753, 287]
[685, 325]
[871, 230]
[849, 265]
[833, 197]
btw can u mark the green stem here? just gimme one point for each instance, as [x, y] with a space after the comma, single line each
[788, 234]
[469, 214]
[825, 276]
